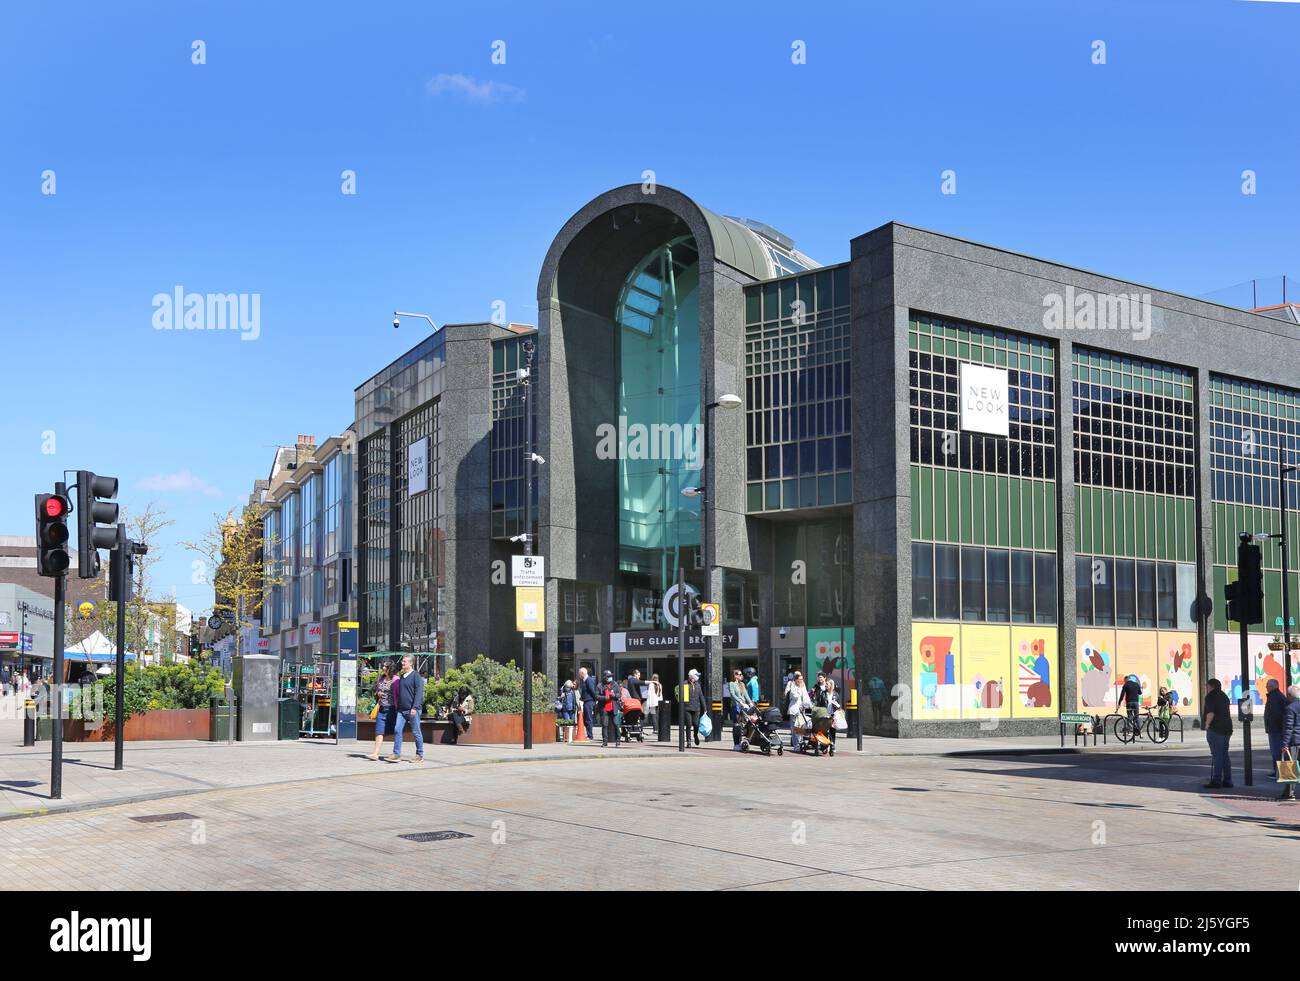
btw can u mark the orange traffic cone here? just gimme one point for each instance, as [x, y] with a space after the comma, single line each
[580, 731]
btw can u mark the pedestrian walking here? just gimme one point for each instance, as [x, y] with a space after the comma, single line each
[383, 711]
[1274, 720]
[1218, 733]
[589, 692]
[797, 705]
[691, 697]
[826, 696]
[566, 710]
[1291, 734]
[876, 692]
[743, 707]
[408, 700]
[611, 695]
[654, 696]
[751, 684]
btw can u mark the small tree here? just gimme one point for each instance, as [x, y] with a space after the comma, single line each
[233, 546]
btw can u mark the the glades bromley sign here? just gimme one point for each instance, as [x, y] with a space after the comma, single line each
[983, 399]
[417, 466]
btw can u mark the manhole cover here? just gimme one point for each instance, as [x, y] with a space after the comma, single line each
[435, 836]
[155, 818]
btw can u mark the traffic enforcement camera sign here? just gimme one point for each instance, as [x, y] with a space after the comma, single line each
[527, 570]
[712, 613]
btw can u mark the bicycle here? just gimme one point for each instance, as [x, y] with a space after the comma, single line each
[1155, 728]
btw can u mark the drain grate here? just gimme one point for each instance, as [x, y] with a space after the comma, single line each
[155, 818]
[435, 836]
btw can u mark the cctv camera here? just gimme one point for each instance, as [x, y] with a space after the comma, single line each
[782, 631]
[396, 323]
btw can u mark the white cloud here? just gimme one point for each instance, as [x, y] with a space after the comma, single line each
[182, 481]
[473, 90]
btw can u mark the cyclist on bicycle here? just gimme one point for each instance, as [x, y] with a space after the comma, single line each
[1131, 697]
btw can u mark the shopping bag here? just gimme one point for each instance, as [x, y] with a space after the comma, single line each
[839, 721]
[1286, 767]
[374, 711]
[706, 727]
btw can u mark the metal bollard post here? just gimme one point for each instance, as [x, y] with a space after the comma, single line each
[29, 722]
[665, 722]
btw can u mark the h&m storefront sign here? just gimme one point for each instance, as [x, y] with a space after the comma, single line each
[630, 641]
[984, 399]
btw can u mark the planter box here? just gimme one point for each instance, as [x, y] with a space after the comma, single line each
[160, 724]
[487, 730]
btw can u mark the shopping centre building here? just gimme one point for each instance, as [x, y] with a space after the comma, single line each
[996, 483]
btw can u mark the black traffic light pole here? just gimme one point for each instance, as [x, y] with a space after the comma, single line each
[1286, 592]
[681, 657]
[56, 688]
[118, 570]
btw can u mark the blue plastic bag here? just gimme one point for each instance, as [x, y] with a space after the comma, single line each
[706, 727]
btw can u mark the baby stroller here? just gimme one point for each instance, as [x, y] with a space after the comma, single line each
[761, 733]
[632, 725]
[817, 733]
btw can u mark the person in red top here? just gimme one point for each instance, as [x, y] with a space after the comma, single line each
[611, 700]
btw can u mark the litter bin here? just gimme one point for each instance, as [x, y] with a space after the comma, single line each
[290, 718]
[219, 719]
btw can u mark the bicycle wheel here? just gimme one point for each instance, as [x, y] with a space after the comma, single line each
[1157, 730]
[1122, 731]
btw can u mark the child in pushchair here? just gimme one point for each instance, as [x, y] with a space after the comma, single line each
[759, 730]
[817, 733]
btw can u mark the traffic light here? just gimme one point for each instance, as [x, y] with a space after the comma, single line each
[121, 568]
[52, 534]
[92, 514]
[694, 611]
[1246, 596]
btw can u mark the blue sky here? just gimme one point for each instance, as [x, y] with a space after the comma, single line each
[226, 176]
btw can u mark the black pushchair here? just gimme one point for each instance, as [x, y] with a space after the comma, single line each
[632, 721]
[817, 733]
[760, 732]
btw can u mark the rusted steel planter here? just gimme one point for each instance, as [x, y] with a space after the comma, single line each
[487, 730]
[159, 724]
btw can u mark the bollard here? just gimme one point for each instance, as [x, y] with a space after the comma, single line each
[716, 734]
[29, 722]
[665, 721]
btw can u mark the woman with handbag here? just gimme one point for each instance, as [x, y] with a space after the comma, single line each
[797, 705]
[1290, 740]
[654, 695]
[382, 712]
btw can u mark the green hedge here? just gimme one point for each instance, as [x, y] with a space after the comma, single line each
[174, 685]
[497, 688]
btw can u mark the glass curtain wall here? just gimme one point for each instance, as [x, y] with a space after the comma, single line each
[658, 323]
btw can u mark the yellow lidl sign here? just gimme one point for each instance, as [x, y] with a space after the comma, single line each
[530, 608]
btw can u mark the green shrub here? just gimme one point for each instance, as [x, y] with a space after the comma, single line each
[174, 685]
[497, 688]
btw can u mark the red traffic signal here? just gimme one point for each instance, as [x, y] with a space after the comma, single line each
[55, 506]
[52, 558]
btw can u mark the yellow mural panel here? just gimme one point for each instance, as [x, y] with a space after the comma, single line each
[1176, 670]
[1095, 651]
[1036, 661]
[986, 677]
[935, 659]
[1136, 654]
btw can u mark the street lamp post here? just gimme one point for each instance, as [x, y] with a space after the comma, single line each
[727, 401]
[525, 386]
[1286, 591]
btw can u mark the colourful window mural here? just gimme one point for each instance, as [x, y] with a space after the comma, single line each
[1158, 657]
[984, 671]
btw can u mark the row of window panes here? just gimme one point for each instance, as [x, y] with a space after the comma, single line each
[1113, 592]
[985, 585]
[824, 289]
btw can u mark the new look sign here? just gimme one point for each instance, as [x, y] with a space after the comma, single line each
[983, 399]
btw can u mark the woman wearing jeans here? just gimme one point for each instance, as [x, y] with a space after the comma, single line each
[384, 702]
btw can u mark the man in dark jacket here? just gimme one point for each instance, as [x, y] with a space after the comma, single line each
[1131, 695]
[1218, 733]
[589, 692]
[1291, 733]
[409, 688]
[611, 704]
[1274, 720]
[694, 705]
